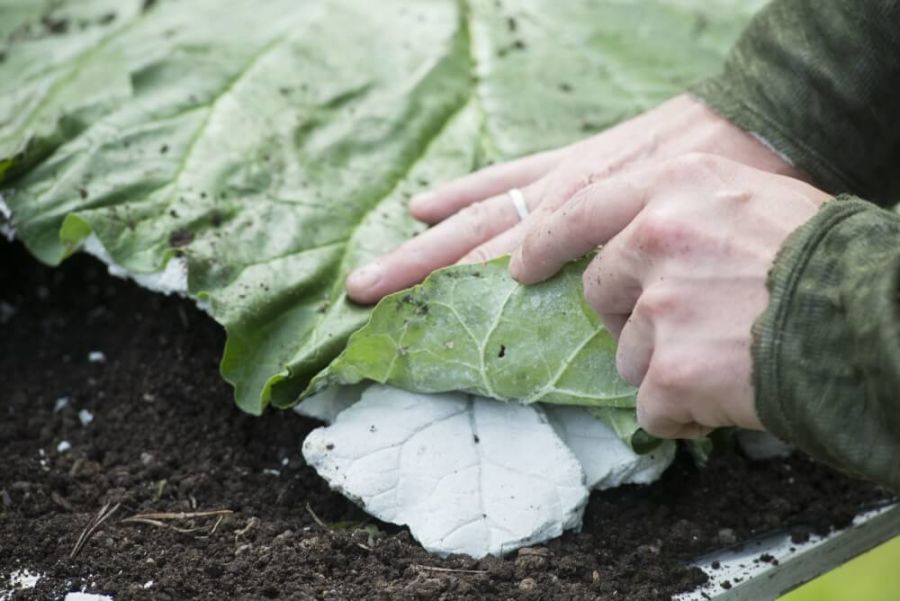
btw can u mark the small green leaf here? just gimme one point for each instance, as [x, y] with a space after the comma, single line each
[472, 328]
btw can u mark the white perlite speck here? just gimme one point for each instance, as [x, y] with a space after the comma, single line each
[85, 417]
[61, 403]
[63, 446]
[76, 596]
[20, 580]
[97, 357]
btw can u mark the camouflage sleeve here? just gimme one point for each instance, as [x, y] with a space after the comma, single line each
[827, 349]
[819, 80]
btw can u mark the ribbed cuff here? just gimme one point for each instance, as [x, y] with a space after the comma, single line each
[826, 350]
[784, 318]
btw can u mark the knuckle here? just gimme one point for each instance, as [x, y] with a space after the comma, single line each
[658, 232]
[656, 303]
[670, 374]
[688, 166]
[653, 418]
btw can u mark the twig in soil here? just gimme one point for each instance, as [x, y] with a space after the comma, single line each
[251, 523]
[160, 519]
[419, 566]
[181, 515]
[335, 525]
[159, 524]
[316, 518]
[216, 525]
[104, 514]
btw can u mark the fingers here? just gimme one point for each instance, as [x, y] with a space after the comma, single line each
[612, 283]
[451, 197]
[590, 218]
[662, 416]
[437, 247]
[498, 246]
[541, 204]
[661, 407]
[635, 349]
[662, 426]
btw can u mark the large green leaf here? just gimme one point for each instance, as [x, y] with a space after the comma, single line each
[273, 143]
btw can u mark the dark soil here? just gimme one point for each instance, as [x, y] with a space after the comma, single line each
[166, 437]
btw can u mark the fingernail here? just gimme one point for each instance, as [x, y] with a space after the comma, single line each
[365, 277]
[419, 201]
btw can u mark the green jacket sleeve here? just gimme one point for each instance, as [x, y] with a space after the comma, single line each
[819, 80]
[827, 348]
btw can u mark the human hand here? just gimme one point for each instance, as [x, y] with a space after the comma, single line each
[687, 245]
[478, 222]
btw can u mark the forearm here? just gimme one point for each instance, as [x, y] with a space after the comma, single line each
[827, 348]
[820, 81]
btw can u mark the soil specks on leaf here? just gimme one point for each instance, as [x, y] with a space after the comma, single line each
[180, 238]
[54, 25]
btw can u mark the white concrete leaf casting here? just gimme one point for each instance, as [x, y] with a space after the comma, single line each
[606, 460]
[466, 474]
